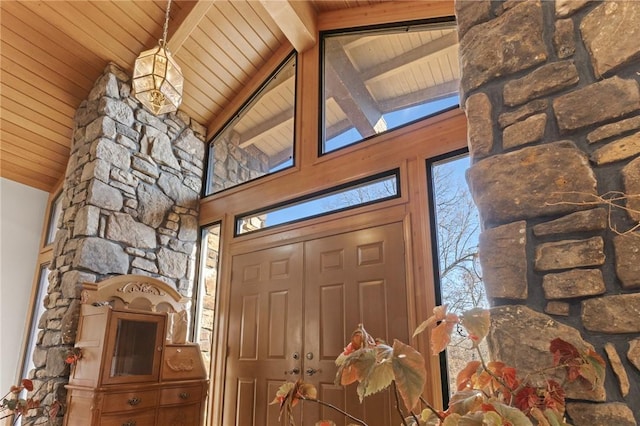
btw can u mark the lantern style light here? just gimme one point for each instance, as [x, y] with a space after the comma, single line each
[157, 77]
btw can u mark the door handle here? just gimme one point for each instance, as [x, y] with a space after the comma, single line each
[294, 371]
[311, 371]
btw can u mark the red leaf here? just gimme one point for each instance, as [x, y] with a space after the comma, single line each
[28, 384]
[527, 398]
[463, 379]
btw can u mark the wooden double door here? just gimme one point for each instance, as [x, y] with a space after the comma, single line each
[293, 308]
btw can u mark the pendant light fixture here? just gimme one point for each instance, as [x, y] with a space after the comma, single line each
[157, 78]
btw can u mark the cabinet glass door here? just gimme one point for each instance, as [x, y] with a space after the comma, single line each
[134, 347]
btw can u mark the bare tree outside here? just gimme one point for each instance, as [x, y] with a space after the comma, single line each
[457, 229]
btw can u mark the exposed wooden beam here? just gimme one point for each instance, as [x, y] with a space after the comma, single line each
[190, 16]
[280, 157]
[296, 19]
[398, 63]
[434, 93]
[258, 132]
[345, 86]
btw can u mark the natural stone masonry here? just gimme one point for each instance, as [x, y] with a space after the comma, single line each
[584, 221]
[618, 368]
[633, 354]
[586, 414]
[504, 276]
[513, 341]
[611, 32]
[508, 118]
[524, 132]
[533, 181]
[618, 150]
[567, 104]
[612, 314]
[574, 283]
[547, 79]
[631, 187]
[492, 55]
[627, 249]
[569, 254]
[130, 205]
[584, 107]
[480, 129]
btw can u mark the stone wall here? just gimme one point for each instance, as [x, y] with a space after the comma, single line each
[552, 95]
[130, 206]
[233, 165]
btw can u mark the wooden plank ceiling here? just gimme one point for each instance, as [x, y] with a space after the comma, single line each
[52, 52]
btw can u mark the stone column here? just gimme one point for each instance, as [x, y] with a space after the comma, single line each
[552, 96]
[130, 206]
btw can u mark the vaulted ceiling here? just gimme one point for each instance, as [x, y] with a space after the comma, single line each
[52, 52]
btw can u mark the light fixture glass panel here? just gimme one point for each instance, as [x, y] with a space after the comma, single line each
[376, 80]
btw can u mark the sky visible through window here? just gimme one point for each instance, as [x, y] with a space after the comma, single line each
[394, 119]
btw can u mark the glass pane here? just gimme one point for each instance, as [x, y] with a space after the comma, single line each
[205, 310]
[54, 218]
[457, 226]
[377, 80]
[134, 349]
[356, 194]
[259, 140]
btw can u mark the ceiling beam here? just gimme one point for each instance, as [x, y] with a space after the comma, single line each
[185, 22]
[398, 63]
[343, 84]
[429, 94]
[256, 133]
[296, 19]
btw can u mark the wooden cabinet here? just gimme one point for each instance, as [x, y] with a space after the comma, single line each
[130, 373]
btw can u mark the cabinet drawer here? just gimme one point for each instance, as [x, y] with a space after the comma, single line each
[125, 401]
[181, 395]
[145, 418]
[183, 415]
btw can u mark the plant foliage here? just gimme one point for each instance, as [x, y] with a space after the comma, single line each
[488, 393]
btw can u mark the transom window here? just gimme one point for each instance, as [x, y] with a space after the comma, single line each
[354, 194]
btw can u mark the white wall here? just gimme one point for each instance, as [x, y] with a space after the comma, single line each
[22, 211]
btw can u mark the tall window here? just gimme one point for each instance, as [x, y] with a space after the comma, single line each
[456, 226]
[377, 80]
[259, 139]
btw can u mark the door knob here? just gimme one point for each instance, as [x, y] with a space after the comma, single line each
[311, 371]
[294, 371]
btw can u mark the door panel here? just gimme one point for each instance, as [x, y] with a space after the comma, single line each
[352, 278]
[307, 298]
[265, 323]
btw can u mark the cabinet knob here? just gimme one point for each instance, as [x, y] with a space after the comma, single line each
[134, 401]
[129, 423]
[184, 395]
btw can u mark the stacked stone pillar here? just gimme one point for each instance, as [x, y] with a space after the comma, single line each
[551, 90]
[130, 206]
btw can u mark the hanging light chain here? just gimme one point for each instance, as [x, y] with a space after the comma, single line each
[163, 41]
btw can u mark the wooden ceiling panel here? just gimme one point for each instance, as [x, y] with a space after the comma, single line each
[52, 52]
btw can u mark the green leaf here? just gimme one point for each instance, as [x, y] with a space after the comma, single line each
[380, 375]
[472, 419]
[491, 418]
[410, 373]
[477, 322]
[466, 401]
[555, 418]
[355, 367]
[514, 416]
[452, 420]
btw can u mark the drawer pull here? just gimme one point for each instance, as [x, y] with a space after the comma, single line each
[133, 402]
[184, 395]
[129, 423]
